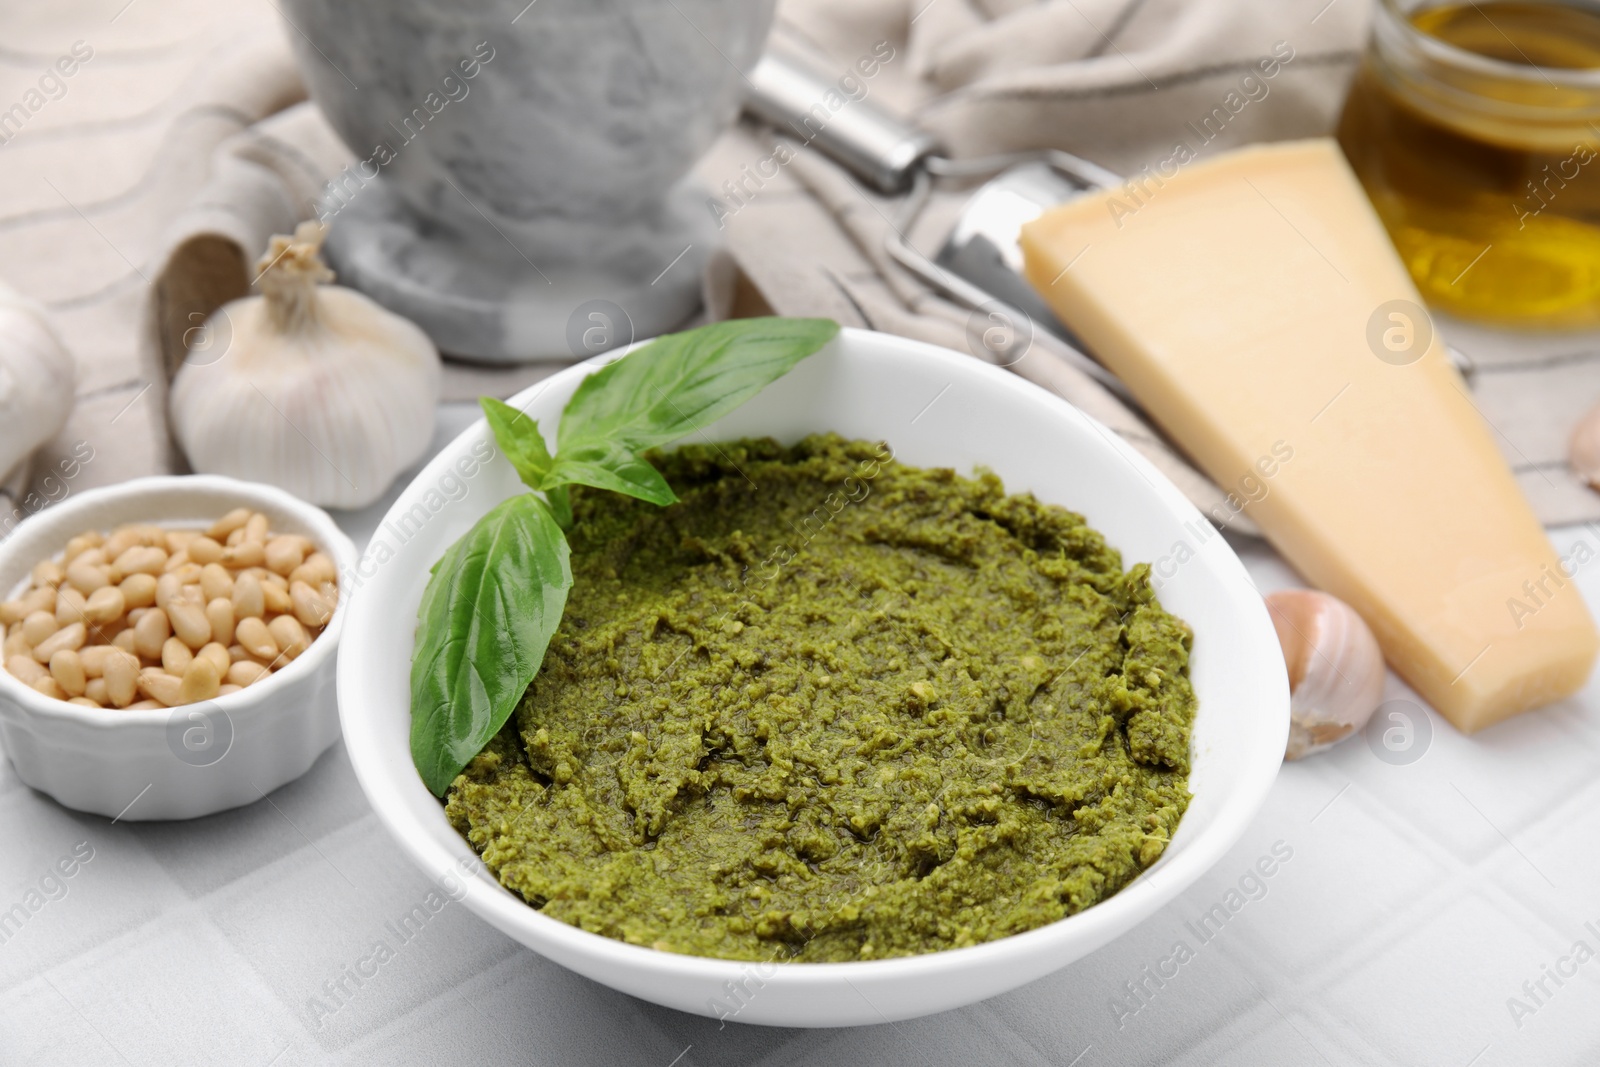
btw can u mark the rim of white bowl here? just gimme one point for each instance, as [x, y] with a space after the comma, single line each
[497, 905]
[329, 538]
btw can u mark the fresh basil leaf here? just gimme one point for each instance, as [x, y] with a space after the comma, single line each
[519, 438]
[682, 382]
[560, 505]
[610, 466]
[486, 619]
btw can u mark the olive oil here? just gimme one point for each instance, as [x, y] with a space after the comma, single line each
[1475, 128]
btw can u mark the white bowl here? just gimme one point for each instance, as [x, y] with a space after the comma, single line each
[186, 761]
[935, 408]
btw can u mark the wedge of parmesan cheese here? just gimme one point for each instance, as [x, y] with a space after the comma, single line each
[1254, 305]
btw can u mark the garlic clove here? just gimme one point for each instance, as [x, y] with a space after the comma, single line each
[1583, 452]
[1336, 672]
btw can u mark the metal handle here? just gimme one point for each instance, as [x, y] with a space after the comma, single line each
[873, 144]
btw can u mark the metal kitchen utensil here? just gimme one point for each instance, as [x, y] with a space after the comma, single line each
[980, 264]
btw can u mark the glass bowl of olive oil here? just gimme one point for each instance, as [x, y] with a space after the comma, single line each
[1475, 128]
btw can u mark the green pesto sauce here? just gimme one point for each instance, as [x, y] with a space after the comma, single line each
[832, 707]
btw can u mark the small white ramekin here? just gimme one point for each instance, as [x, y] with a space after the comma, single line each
[183, 762]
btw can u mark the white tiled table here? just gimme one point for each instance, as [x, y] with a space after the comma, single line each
[1417, 900]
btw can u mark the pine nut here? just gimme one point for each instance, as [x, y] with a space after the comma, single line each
[189, 623]
[160, 686]
[175, 657]
[39, 600]
[224, 689]
[179, 540]
[245, 554]
[325, 569]
[38, 627]
[121, 678]
[12, 611]
[243, 674]
[284, 553]
[82, 702]
[150, 633]
[95, 689]
[290, 636]
[125, 641]
[215, 581]
[67, 669]
[169, 588]
[177, 561]
[48, 572]
[69, 606]
[106, 606]
[26, 669]
[141, 559]
[248, 600]
[94, 659]
[119, 542]
[146, 705]
[230, 522]
[309, 607]
[219, 613]
[47, 685]
[255, 529]
[86, 578]
[71, 637]
[253, 634]
[138, 590]
[82, 543]
[200, 681]
[204, 550]
[275, 598]
[218, 655]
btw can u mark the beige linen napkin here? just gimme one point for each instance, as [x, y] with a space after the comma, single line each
[94, 165]
[139, 201]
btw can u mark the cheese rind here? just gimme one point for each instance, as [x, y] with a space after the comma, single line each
[1250, 303]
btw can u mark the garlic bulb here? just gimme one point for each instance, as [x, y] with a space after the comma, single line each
[1584, 450]
[36, 379]
[1335, 668]
[318, 389]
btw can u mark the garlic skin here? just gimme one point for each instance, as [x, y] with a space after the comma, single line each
[319, 390]
[1336, 670]
[37, 379]
[1583, 451]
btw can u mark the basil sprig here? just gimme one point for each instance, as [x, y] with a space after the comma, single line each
[496, 597]
[487, 616]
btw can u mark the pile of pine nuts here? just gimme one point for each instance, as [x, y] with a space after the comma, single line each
[154, 618]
